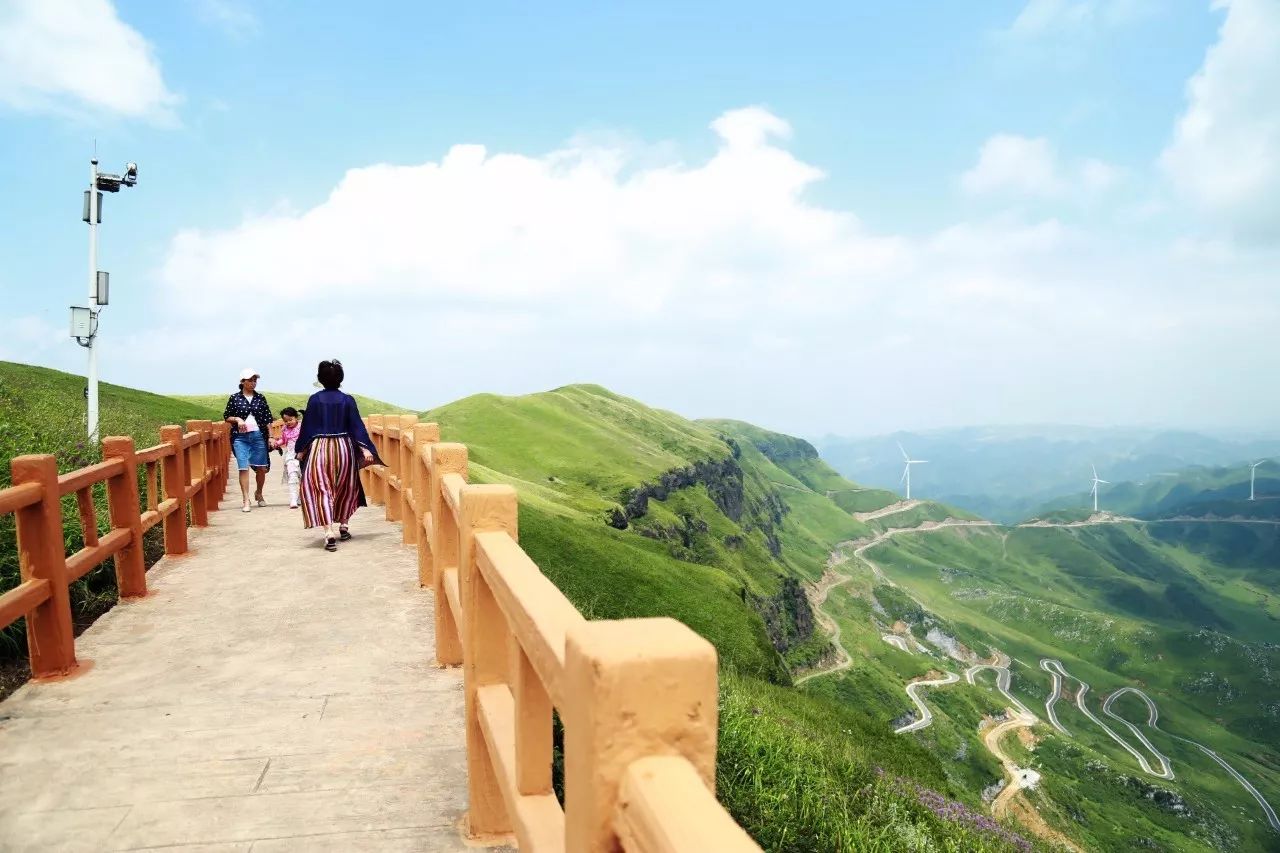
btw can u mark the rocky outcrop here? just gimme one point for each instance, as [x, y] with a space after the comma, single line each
[722, 478]
[788, 617]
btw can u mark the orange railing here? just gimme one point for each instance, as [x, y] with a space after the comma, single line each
[637, 697]
[192, 468]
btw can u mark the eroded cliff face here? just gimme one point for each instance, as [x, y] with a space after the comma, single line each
[787, 615]
[722, 478]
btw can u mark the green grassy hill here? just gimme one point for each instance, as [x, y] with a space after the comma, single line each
[633, 511]
[800, 459]
[43, 411]
[216, 403]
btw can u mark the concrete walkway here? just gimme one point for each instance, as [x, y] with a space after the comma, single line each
[266, 696]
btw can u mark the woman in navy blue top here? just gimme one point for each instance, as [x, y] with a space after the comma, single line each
[332, 447]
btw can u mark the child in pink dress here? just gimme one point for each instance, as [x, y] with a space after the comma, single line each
[288, 438]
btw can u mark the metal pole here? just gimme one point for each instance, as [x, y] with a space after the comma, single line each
[93, 302]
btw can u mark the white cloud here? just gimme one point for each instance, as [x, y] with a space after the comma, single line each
[69, 56]
[1225, 151]
[1028, 166]
[572, 225]
[29, 339]
[713, 288]
[1040, 18]
[233, 17]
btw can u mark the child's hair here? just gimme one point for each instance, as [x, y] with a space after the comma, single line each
[330, 374]
[289, 410]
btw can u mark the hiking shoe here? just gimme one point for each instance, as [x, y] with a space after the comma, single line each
[344, 534]
[331, 544]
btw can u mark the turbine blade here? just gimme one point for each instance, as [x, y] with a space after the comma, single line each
[904, 452]
[1108, 482]
[1095, 471]
[903, 478]
[919, 461]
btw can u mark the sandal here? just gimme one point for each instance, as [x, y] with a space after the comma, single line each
[344, 534]
[331, 544]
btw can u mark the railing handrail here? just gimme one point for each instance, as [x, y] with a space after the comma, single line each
[638, 697]
[46, 570]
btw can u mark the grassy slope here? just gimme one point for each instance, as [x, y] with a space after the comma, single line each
[795, 768]
[1120, 606]
[43, 411]
[799, 459]
[279, 400]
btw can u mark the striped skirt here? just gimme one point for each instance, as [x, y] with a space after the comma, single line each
[330, 482]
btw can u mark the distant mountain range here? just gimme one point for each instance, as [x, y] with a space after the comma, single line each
[1010, 473]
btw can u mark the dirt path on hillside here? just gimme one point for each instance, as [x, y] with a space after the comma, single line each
[817, 597]
[1019, 777]
[891, 509]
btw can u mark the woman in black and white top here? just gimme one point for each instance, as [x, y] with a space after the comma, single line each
[250, 415]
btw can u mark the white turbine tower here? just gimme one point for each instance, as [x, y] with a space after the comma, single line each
[1253, 469]
[906, 473]
[1096, 482]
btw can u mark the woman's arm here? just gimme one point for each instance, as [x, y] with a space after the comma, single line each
[355, 429]
[227, 412]
[307, 432]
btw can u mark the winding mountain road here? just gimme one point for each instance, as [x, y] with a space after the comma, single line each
[1153, 720]
[1165, 771]
[818, 597]
[896, 641]
[926, 716]
[1020, 778]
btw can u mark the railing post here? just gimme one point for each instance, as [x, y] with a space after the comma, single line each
[424, 435]
[377, 481]
[445, 459]
[408, 529]
[485, 658]
[124, 512]
[212, 494]
[634, 688]
[391, 456]
[42, 554]
[224, 455]
[195, 477]
[366, 476]
[175, 481]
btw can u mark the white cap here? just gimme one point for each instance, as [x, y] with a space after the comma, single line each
[248, 373]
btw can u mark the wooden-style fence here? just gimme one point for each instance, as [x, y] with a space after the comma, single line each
[637, 697]
[187, 470]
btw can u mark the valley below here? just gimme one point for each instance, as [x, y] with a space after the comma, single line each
[856, 571]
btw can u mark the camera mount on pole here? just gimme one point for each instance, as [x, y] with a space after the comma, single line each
[84, 321]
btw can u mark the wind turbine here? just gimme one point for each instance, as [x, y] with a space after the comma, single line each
[906, 473]
[1253, 469]
[1096, 482]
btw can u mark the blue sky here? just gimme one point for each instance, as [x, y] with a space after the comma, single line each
[824, 218]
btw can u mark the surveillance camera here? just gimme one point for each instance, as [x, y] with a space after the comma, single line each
[130, 173]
